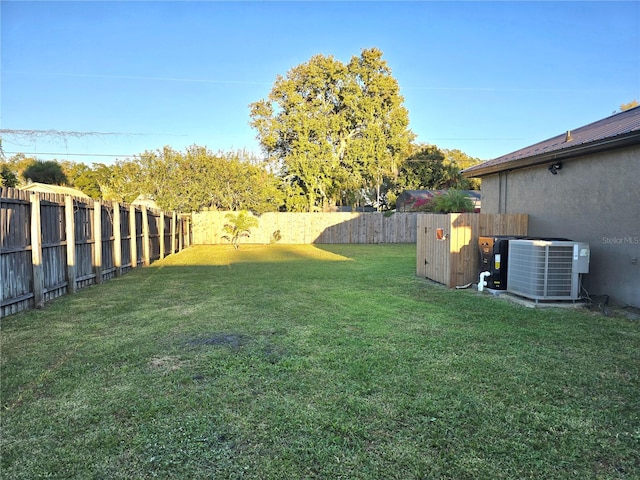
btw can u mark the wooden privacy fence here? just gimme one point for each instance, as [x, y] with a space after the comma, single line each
[38, 262]
[307, 228]
[447, 245]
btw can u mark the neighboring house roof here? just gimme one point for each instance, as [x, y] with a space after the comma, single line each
[145, 200]
[619, 130]
[59, 189]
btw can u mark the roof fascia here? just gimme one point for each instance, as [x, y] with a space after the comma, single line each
[619, 141]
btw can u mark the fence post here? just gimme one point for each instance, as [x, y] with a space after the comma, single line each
[117, 239]
[36, 251]
[97, 237]
[161, 232]
[133, 236]
[173, 232]
[146, 241]
[70, 227]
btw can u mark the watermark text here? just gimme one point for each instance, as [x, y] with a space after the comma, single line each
[630, 240]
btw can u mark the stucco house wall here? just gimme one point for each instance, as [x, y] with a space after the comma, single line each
[595, 199]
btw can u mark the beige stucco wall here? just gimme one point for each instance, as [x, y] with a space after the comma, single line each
[593, 199]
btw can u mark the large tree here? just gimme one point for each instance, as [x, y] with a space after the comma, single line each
[48, 171]
[200, 179]
[334, 130]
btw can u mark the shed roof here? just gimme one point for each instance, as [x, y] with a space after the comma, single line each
[59, 189]
[618, 130]
[146, 201]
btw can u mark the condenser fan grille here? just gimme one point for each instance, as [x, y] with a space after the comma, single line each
[543, 270]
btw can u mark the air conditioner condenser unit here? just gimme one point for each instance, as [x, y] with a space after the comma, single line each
[547, 269]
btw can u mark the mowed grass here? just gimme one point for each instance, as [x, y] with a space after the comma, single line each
[327, 362]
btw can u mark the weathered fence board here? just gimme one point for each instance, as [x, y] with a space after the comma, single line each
[55, 244]
[54, 249]
[16, 265]
[447, 245]
[125, 239]
[166, 235]
[153, 235]
[138, 218]
[307, 228]
[85, 243]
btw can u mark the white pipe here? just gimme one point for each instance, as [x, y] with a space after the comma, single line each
[482, 283]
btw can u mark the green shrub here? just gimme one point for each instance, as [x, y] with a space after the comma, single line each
[452, 201]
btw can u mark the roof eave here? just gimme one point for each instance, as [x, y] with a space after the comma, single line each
[619, 141]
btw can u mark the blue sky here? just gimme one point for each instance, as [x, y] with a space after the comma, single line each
[484, 77]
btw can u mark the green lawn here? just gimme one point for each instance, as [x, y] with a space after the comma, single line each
[327, 362]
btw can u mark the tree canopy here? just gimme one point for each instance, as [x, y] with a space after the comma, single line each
[333, 130]
[7, 177]
[82, 177]
[192, 180]
[48, 171]
[199, 179]
[430, 168]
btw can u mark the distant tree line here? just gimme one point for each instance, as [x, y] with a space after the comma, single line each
[192, 180]
[199, 179]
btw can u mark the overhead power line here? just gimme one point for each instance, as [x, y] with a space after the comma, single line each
[62, 154]
[145, 78]
[72, 133]
[29, 139]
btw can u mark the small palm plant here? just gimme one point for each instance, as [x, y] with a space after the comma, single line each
[239, 226]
